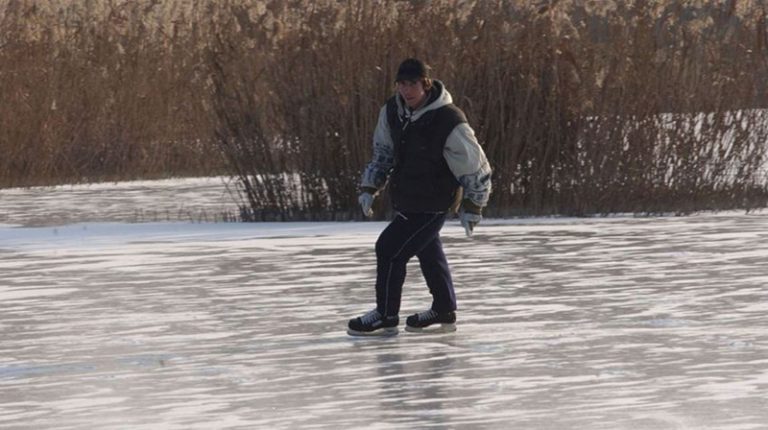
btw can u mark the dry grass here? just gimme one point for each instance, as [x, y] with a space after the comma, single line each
[583, 106]
[96, 90]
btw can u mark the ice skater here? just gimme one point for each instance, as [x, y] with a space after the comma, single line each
[429, 157]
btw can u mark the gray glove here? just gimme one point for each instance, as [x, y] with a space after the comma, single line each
[366, 202]
[469, 215]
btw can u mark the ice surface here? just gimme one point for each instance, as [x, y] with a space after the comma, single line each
[618, 323]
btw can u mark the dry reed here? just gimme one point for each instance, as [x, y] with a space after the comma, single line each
[583, 107]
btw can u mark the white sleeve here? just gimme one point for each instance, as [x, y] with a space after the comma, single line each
[467, 161]
[377, 171]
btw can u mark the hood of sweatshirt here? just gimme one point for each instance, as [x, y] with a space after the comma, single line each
[437, 98]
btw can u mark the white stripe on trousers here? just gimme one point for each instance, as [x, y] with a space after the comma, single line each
[389, 270]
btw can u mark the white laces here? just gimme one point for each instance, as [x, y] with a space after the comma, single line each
[370, 317]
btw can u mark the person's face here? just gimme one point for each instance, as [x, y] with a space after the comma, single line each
[412, 92]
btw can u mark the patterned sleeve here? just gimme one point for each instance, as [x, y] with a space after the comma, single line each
[467, 161]
[377, 172]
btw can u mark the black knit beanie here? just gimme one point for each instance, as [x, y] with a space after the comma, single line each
[412, 69]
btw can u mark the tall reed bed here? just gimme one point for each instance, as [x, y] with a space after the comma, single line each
[583, 106]
[99, 90]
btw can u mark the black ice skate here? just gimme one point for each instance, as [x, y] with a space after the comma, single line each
[373, 324]
[431, 322]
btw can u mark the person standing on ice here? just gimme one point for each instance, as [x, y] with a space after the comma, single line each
[426, 152]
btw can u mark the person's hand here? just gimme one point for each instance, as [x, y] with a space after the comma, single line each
[366, 202]
[469, 215]
[469, 221]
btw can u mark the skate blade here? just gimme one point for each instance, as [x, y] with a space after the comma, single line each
[433, 329]
[384, 332]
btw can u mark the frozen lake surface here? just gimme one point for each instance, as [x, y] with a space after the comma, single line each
[613, 323]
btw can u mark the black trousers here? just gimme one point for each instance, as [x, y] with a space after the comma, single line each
[409, 235]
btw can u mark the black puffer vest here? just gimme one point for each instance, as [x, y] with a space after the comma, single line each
[421, 180]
